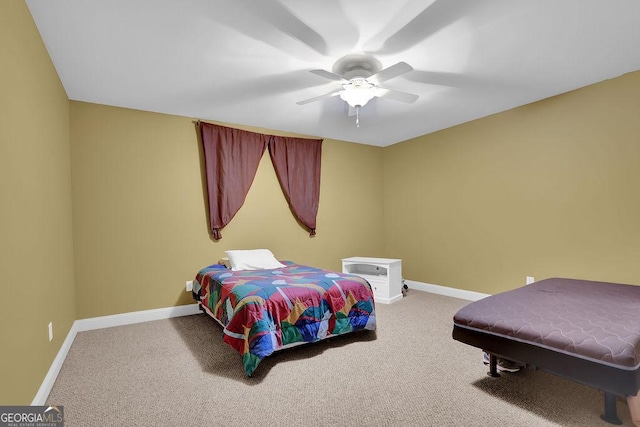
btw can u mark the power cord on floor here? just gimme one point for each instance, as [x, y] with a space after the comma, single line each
[405, 288]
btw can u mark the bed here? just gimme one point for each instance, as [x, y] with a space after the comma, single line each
[581, 330]
[265, 310]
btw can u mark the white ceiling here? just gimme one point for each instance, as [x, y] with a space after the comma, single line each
[247, 61]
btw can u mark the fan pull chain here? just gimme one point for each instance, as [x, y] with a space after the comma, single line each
[357, 116]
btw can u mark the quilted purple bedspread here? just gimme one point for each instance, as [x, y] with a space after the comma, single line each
[264, 310]
[596, 321]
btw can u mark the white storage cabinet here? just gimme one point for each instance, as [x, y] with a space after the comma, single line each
[384, 275]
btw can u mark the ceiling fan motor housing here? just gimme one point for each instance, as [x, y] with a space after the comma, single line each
[356, 65]
[357, 73]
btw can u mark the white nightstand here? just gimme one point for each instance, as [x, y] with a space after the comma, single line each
[384, 275]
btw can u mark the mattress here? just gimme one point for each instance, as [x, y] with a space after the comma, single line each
[594, 321]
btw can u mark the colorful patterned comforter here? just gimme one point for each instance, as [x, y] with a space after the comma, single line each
[264, 310]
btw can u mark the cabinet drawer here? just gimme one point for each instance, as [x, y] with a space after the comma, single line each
[374, 280]
[379, 286]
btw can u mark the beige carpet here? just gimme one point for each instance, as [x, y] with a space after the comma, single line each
[178, 372]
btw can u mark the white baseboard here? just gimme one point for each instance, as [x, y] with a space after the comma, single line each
[136, 317]
[383, 300]
[52, 374]
[99, 323]
[443, 290]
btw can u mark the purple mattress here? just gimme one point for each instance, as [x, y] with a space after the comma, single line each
[595, 321]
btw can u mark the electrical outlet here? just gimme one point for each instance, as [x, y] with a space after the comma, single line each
[189, 285]
[50, 331]
[530, 280]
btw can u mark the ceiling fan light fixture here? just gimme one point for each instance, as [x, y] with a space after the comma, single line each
[357, 93]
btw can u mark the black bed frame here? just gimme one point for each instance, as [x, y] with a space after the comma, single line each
[611, 380]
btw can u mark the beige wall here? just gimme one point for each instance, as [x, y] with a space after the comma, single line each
[140, 223]
[548, 189]
[36, 256]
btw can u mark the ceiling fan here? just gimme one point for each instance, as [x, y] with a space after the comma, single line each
[360, 85]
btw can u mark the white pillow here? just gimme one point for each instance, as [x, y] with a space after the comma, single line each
[253, 259]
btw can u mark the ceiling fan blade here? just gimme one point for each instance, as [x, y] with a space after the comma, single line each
[435, 17]
[317, 98]
[390, 72]
[396, 95]
[330, 76]
[272, 23]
